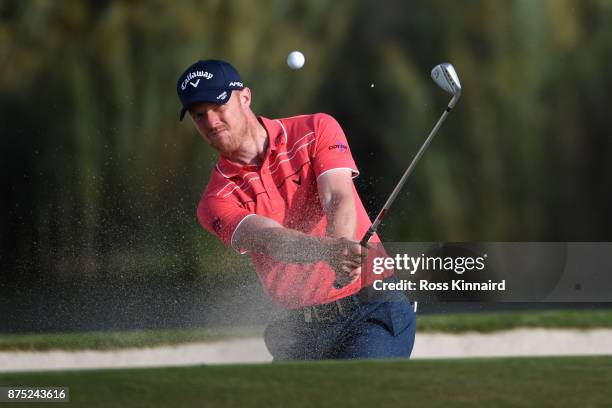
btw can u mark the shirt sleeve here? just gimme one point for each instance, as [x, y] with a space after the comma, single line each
[221, 217]
[331, 149]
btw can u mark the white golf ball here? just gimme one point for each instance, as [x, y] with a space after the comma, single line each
[295, 60]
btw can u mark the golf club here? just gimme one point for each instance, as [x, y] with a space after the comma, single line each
[446, 77]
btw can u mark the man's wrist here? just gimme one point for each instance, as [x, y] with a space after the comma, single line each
[325, 244]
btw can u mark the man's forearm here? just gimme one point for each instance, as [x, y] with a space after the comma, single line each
[290, 245]
[342, 219]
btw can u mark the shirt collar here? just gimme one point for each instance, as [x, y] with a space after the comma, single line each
[277, 136]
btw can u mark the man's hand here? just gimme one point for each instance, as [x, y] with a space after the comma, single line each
[345, 257]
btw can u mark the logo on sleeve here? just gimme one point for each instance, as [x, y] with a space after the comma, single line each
[340, 146]
[217, 225]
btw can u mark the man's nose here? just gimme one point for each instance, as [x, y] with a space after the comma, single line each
[212, 118]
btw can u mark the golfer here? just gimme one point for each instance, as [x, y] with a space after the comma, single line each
[282, 192]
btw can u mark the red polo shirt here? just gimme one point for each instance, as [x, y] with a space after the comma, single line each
[284, 188]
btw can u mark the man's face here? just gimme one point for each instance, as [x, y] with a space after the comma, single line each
[223, 126]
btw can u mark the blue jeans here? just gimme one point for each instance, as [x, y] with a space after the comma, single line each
[378, 329]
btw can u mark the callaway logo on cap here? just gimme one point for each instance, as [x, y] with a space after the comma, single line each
[207, 81]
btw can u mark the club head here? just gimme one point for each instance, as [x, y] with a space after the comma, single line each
[446, 77]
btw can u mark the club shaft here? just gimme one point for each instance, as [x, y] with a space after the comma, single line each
[372, 230]
[400, 184]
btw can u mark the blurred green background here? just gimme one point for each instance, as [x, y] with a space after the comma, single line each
[101, 180]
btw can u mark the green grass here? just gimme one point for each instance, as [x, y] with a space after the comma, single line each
[120, 339]
[453, 323]
[509, 382]
[490, 322]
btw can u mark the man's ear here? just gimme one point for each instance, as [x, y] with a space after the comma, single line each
[245, 97]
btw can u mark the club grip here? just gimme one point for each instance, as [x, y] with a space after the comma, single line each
[366, 238]
[364, 243]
